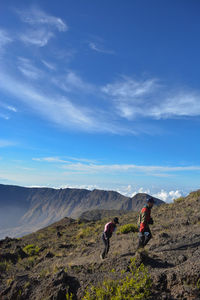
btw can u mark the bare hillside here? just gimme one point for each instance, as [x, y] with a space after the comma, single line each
[63, 258]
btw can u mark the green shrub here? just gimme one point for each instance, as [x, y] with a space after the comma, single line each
[195, 194]
[83, 233]
[128, 228]
[179, 199]
[31, 249]
[136, 285]
[69, 296]
[198, 284]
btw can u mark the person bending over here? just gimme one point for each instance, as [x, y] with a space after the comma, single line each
[108, 231]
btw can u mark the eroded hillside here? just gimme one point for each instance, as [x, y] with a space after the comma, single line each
[63, 259]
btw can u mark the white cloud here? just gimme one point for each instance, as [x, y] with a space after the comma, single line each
[35, 16]
[11, 108]
[93, 168]
[131, 191]
[57, 109]
[168, 196]
[129, 89]
[28, 69]
[6, 143]
[51, 160]
[59, 160]
[4, 116]
[39, 37]
[4, 38]
[149, 99]
[61, 110]
[49, 65]
[42, 27]
[100, 49]
[8, 109]
[178, 105]
[131, 97]
[86, 160]
[79, 186]
[72, 82]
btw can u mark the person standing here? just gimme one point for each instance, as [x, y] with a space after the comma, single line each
[143, 223]
[110, 227]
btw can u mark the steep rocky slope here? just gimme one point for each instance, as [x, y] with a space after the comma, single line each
[64, 257]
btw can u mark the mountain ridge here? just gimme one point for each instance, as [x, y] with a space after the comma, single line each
[34, 207]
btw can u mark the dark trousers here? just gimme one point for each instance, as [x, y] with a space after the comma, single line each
[143, 238]
[106, 245]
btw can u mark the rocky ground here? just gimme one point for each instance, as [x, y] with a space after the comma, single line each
[64, 257]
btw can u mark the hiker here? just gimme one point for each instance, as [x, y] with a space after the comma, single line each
[143, 223]
[108, 231]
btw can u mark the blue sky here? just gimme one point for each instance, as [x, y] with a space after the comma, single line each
[101, 94]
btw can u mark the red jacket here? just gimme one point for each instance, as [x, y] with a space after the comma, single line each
[144, 218]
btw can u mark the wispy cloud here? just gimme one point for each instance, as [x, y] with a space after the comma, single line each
[178, 105]
[129, 88]
[51, 160]
[42, 27]
[36, 16]
[48, 65]
[57, 109]
[4, 116]
[39, 37]
[71, 82]
[67, 112]
[6, 143]
[149, 99]
[129, 99]
[100, 49]
[93, 168]
[86, 160]
[11, 108]
[28, 69]
[74, 103]
[59, 160]
[4, 38]
[7, 110]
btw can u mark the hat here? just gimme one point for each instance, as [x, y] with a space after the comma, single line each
[150, 199]
[116, 220]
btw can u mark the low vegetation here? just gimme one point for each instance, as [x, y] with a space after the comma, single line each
[31, 249]
[136, 285]
[127, 228]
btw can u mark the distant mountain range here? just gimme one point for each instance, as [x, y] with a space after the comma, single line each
[24, 210]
